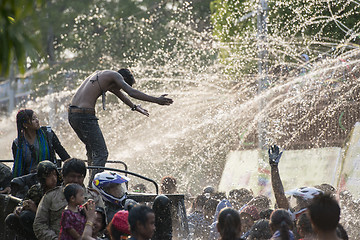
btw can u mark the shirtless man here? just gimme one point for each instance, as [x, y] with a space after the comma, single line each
[82, 109]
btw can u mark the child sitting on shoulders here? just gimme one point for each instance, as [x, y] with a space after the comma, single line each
[72, 219]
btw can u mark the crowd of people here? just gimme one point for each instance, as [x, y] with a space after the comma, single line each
[303, 213]
[57, 205]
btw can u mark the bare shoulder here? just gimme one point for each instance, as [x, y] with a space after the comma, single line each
[109, 73]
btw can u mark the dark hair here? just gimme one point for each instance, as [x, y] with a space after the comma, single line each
[200, 201]
[140, 187]
[324, 212]
[341, 232]
[44, 169]
[101, 210]
[138, 213]
[74, 165]
[265, 214]
[127, 75]
[218, 196]
[260, 230]
[168, 184]
[304, 224]
[280, 220]
[229, 224]
[209, 208]
[23, 116]
[113, 232]
[261, 202]
[71, 190]
[239, 197]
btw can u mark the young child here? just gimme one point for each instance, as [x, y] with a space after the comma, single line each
[72, 220]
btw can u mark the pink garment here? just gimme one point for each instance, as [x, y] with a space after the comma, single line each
[70, 219]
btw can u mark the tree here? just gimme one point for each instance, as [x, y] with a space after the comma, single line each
[16, 41]
[294, 27]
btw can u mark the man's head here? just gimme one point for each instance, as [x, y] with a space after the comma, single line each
[48, 175]
[168, 185]
[127, 75]
[74, 171]
[239, 197]
[111, 186]
[304, 225]
[324, 213]
[261, 202]
[100, 221]
[142, 221]
[249, 215]
[260, 230]
[303, 196]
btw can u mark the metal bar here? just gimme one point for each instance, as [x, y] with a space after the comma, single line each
[59, 160]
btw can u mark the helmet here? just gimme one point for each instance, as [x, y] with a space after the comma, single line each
[105, 180]
[44, 168]
[305, 193]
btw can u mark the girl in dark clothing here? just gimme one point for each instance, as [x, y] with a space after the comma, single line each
[34, 144]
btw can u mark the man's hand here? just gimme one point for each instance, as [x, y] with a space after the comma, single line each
[29, 205]
[162, 100]
[274, 155]
[141, 110]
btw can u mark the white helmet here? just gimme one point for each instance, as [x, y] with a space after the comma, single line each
[103, 180]
[305, 193]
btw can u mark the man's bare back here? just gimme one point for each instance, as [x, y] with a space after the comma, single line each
[107, 80]
[90, 90]
[82, 109]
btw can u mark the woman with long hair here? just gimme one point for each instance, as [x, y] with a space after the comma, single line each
[229, 224]
[34, 144]
[281, 225]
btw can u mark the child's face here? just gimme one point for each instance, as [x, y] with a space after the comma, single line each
[79, 197]
[51, 180]
[98, 223]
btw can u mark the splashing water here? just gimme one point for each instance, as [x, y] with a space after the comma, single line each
[217, 107]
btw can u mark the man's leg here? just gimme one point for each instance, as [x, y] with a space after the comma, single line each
[99, 150]
[88, 130]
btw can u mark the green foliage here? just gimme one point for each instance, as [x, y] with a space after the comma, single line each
[79, 37]
[107, 34]
[226, 15]
[17, 42]
[320, 19]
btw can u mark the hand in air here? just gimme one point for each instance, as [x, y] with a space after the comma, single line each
[141, 110]
[274, 155]
[162, 100]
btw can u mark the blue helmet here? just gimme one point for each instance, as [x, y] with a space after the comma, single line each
[111, 182]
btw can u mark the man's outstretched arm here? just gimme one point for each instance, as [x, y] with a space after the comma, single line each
[128, 102]
[121, 84]
[277, 186]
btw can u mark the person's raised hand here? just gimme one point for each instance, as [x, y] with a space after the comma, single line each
[274, 155]
[163, 100]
